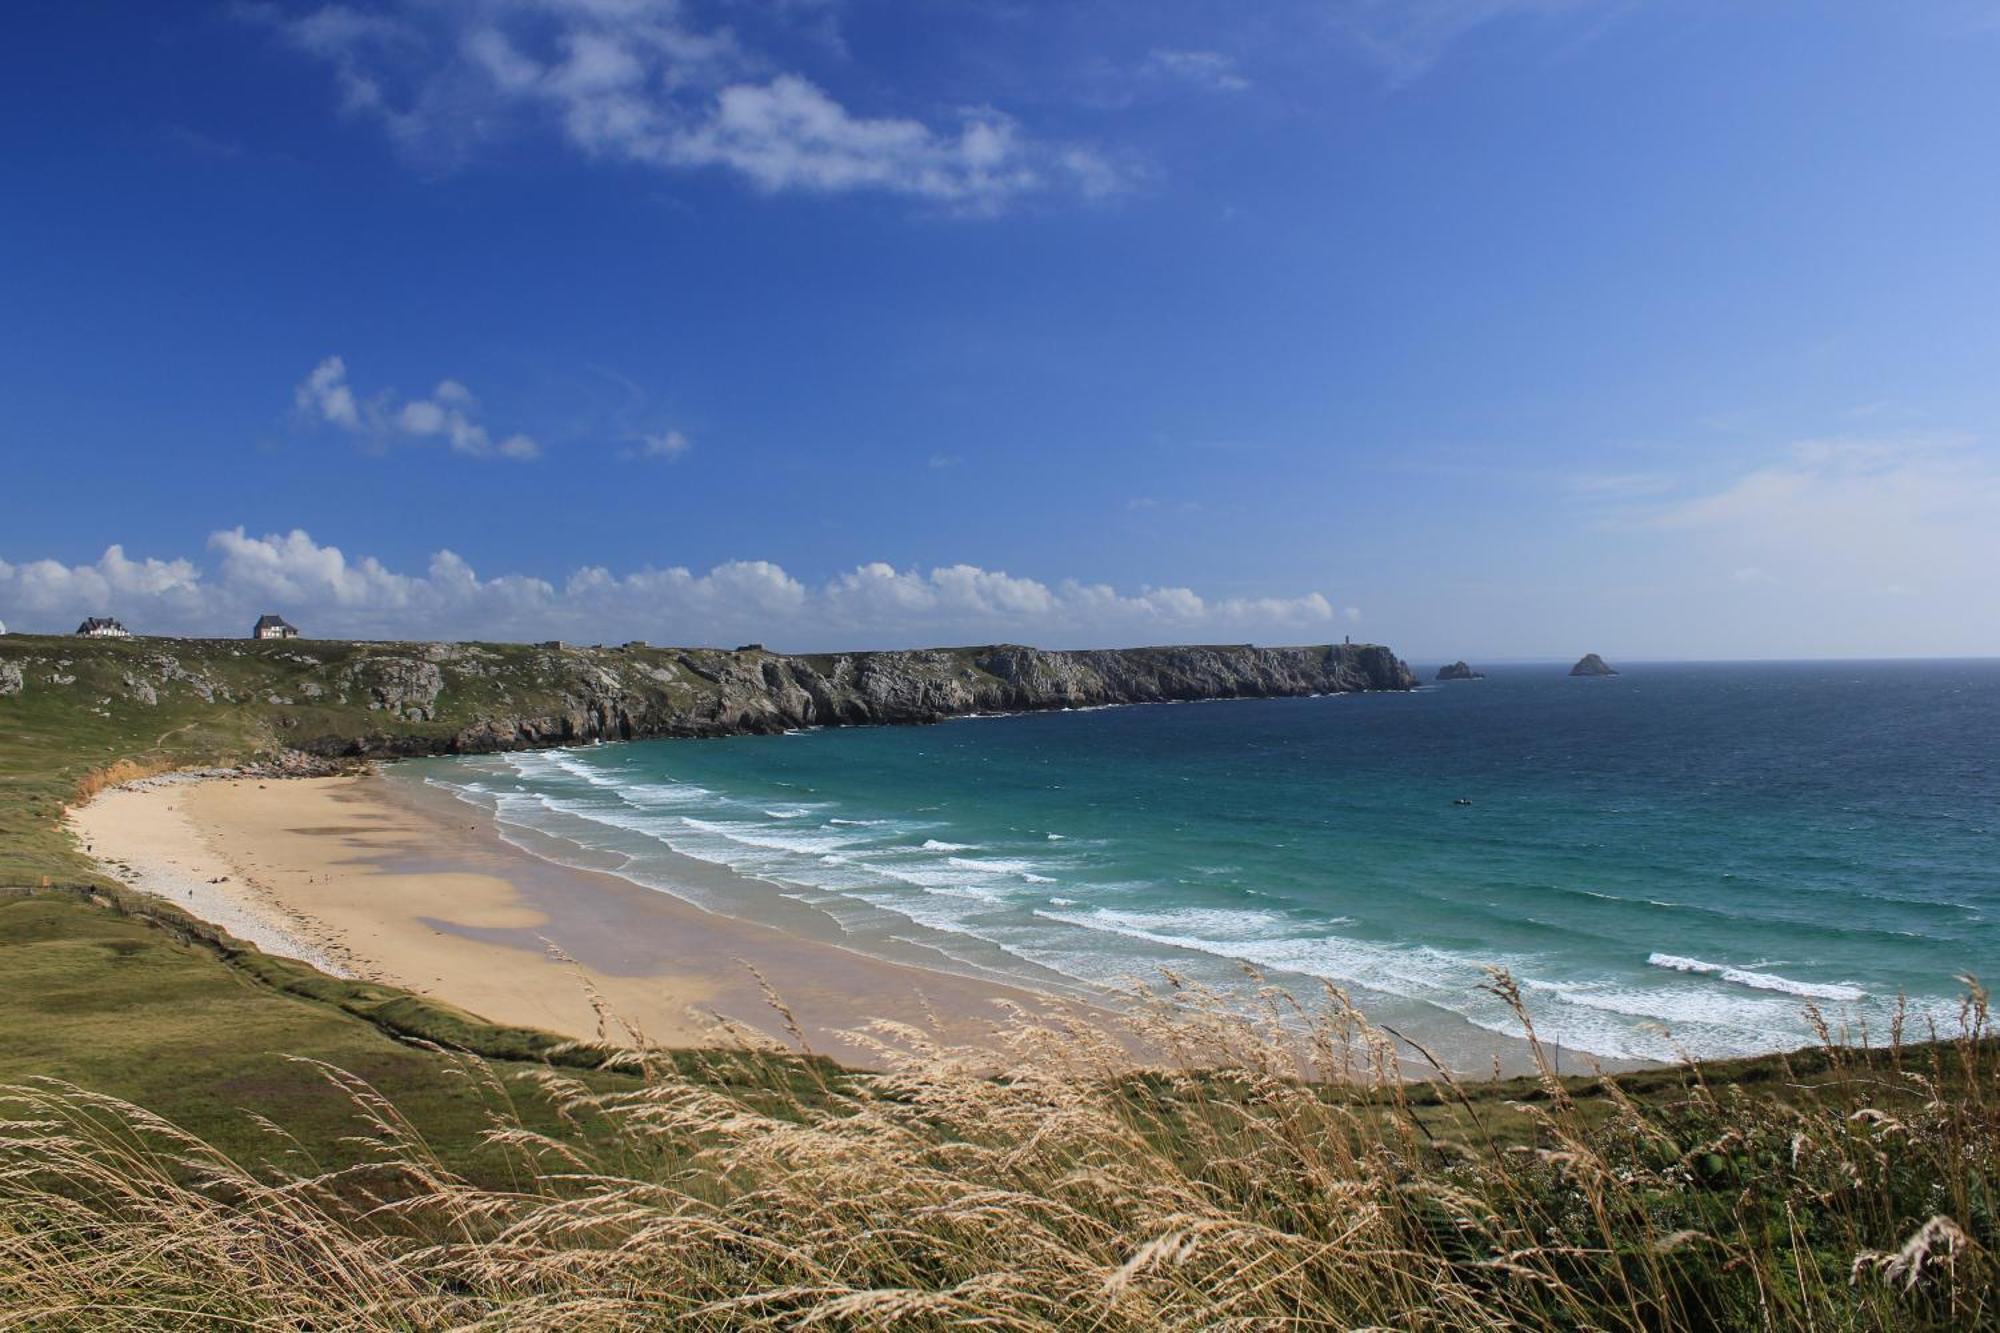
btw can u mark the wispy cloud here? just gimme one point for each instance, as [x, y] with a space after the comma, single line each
[640, 81]
[1917, 513]
[1619, 485]
[448, 413]
[877, 604]
[1407, 37]
[668, 445]
[1212, 71]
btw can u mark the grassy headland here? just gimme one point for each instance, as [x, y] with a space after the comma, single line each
[437, 1171]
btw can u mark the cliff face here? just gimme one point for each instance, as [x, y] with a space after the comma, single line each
[699, 693]
[340, 698]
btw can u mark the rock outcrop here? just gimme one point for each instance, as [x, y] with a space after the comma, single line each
[389, 699]
[710, 693]
[1592, 665]
[1459, 671]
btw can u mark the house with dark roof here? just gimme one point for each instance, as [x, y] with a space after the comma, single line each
[103, 627]
[273, 627]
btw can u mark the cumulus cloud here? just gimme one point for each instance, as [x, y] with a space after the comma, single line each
[448, 414]
[41, 587]
[640, 81]
[327, 592]
[325, 394]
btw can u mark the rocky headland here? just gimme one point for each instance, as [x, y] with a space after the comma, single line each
[340, 698]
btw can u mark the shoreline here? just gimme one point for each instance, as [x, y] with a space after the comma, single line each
[352, 876]
[381, 879]
[384, 877]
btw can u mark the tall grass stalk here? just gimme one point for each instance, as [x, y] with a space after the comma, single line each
[1265, 1170]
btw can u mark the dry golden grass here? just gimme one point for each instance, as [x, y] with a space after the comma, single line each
[1276, 1173]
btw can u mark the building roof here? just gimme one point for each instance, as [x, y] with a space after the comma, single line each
[98, 622]
[272, 622]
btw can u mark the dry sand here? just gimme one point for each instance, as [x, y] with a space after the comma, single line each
[357, 879]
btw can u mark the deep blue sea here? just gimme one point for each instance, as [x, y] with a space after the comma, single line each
[1675, 858]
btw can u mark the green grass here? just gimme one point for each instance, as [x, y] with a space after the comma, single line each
[119, 1005]
[1841, 1190]
[116, 994]
[1770, 1192]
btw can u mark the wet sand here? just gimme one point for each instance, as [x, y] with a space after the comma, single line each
[355, 876]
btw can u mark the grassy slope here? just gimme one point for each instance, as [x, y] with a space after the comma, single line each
[58, 743]
[109, 991]
[118, 1005]
[54, 739]
[125, 997]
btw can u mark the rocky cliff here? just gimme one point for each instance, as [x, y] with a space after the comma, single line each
[341, 698]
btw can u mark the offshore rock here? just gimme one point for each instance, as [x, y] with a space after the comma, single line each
[1592, 665]
[1459, 671]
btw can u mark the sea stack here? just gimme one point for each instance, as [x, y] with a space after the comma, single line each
[1592, 665]
[1459, 671]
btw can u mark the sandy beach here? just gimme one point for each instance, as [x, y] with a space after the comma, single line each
[350, 875]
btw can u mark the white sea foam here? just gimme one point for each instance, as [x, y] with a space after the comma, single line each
[939, 845]
[666, 793]
[1607, 1024]
[778, 839]
[1759, 980]
[993, 865]
[1205, 922]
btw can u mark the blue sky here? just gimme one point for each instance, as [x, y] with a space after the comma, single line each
[1494, 328]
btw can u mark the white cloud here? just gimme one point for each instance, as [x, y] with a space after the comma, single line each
[1833, 520]
[638, 81]
[326, 592]
[669, 444]
[325, 394]
[1210, 70]
[41, 588]
[448, 414]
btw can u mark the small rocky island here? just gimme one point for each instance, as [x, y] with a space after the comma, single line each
[1459, 671]
[1592, 665]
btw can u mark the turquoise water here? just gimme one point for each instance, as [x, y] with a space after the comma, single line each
[1674, 858]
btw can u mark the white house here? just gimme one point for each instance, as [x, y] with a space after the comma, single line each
[103, 627]
[273, 627]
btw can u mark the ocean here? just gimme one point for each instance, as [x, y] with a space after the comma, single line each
[1675, 859]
